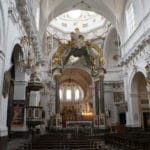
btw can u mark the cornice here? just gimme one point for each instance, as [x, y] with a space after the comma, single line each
[136, 51]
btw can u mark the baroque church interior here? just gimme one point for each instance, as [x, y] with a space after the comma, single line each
[75, 74]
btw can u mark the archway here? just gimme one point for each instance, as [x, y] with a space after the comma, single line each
[140, 104]
[76, 98]
[61, 7]
[111, 49]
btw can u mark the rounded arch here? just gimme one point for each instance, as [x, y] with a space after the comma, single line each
[17, 52]
[111, 48]
[132, 75]
[139, 98]
[63, 7]
[138, 77]
[85, 69]
[79, 76]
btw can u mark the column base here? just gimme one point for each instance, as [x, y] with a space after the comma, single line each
[3, 142]
[3, 131]
[3, 138]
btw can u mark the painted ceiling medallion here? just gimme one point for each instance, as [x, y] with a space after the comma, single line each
[86, 21]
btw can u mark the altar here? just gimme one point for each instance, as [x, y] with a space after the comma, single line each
[78, 124]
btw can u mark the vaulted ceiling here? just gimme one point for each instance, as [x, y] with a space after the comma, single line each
[51, 8]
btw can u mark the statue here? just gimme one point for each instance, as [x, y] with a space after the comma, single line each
[77, 39]
[78, 47]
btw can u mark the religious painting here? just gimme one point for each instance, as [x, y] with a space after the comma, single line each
[18, 114]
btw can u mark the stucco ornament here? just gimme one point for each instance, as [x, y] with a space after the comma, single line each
[78, 47]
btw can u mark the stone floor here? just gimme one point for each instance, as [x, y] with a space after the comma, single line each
[16, 144]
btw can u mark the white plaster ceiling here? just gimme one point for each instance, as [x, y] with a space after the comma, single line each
[50, 9]
[86, 21]
[90, 24]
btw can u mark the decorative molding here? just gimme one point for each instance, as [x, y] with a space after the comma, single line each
[135, 52]
[13, 13]
[28, 20]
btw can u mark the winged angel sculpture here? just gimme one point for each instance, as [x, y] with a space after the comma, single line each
[78, 47]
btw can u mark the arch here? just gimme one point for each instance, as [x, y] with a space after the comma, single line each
[111, 48]
[138, 75]
[133, 74]
[139, 98]
[74, 79]
[74, 74]
[17, 52]
[58, 9]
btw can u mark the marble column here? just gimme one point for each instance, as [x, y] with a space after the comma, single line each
[57, 100]
[97, 97]
[101, 103]
[99, 87]
[116, 113]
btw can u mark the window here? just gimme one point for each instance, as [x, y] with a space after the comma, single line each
[37, 18]
[77, 94]
[130, 19]
[71, 91]
[68, 94]
[60, 94]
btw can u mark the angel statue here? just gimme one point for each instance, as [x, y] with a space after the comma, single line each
[78, 47]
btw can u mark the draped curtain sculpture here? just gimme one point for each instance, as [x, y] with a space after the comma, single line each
[78, 47]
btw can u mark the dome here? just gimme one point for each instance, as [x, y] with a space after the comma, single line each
[86, 21]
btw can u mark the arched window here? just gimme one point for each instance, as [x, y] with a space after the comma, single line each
[71, 91]
[37, 19]
[77, 94]
[60, 94]
[68, 94]
[130, 19]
